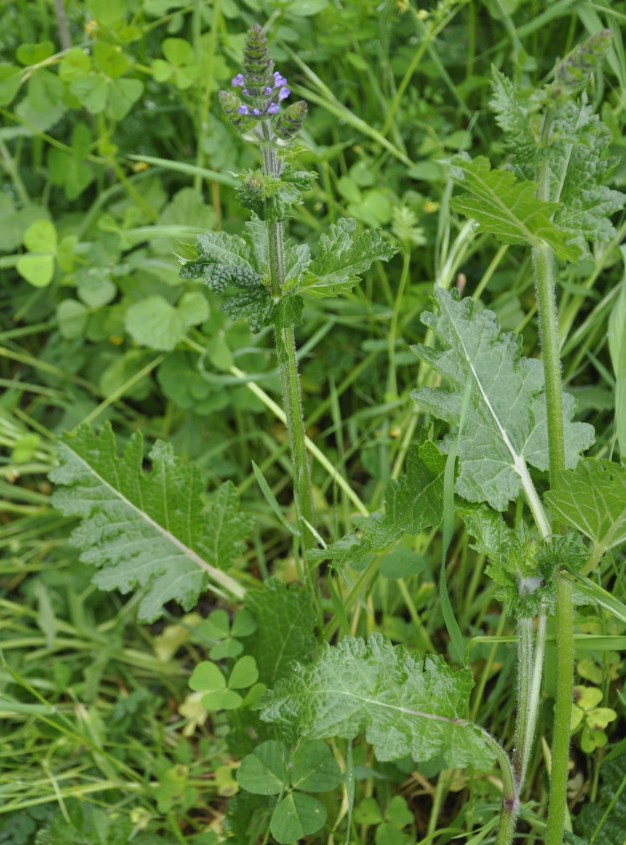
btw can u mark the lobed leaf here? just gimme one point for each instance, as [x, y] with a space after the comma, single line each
[285, 628]
[507, 208]
[153, 529]
[592, 499]
[505, 420]
[413, 502]
[404, 705]
[344, 254]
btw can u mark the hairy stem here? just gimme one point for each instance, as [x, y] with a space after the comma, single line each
[543, 261]
[287, 362]
[529, 671]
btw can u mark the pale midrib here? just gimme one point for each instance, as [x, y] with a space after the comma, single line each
[519, 464]
[216, 575]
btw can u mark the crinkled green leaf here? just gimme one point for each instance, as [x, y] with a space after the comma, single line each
[413, 502]
[405, 705]
[579, 166]
[592, 499]
[505, 421]
[605, 819]
[81, 822]
[519, 561]
[285, 628]
[153, 529]
[344, 255]
[507, 208]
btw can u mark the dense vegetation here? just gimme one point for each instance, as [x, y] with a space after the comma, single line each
[303, 534]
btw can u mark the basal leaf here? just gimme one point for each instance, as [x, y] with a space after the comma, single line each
[507, 208]
[344, 254]
[405, 705]
[592, 499]
[413, 502]
[153, 529]
[505, 421]
[285, 626]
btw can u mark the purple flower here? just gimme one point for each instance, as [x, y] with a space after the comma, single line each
[279, 80]
[256, 112]
[237, 81]
[268, 91]
[242, 110]
[273, 108]
[283, 93]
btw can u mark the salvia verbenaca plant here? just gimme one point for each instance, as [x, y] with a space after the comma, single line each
[510, 423]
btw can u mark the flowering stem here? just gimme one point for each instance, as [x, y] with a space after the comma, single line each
[287, 360]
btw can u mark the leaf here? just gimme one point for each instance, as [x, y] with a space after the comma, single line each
[147, 529]
[264, 772]
[406, 706]
[155, 323]
[413, 502]
[592, 499]
[520, 563]
[505, 423]
[313, 768]
[285, 625]
[40, 239]
[605, 821]
[295, 817]
[579, 166]
[507, 208]
[225, 263]
[343, 256]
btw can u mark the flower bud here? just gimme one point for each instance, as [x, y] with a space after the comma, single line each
[235, 110]
[257, 64]
[289, 122]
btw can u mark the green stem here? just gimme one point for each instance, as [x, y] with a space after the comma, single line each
[529, 671]
[287, 360]
[548, 324]
[543, 261]
[564, 625]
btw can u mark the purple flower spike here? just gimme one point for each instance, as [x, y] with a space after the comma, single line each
[273, 108]
[279, 80]
[237, 81]
[283, 93]
[242, 110]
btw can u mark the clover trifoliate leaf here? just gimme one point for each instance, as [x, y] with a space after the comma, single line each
[505, 427]
[264, 772]
[313, 768]
[296, 816]
[405, 705]
[153, 529]
[507, 208]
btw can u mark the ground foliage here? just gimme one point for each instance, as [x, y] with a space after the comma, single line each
[115, 155]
